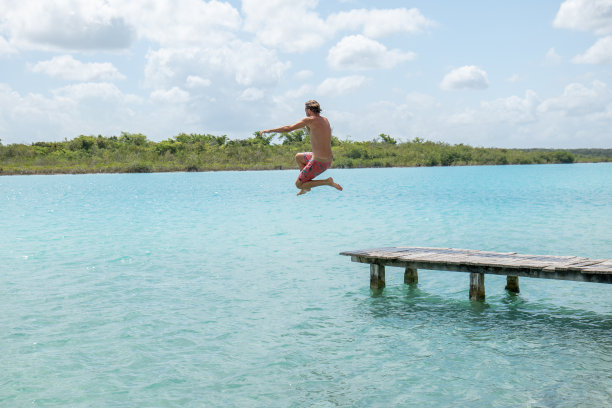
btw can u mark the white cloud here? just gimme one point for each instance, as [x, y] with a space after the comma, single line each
[175, 95]
[378, 23]
[85, 108]
[296, 27]
[181, 23]
[291, 26]
[68, 68]
[552, 57]
[466, 77]
[563, 121]
[585, 15]
[116, 24]
[299, 92]
[5, 47]
[359, 53]
[599, 53]
[194, 81]
[251, 94]
[578, 100]
[514, 109]
[235, 63]
[66, 25]
[303, 74]
[339, 86]
[91, 90]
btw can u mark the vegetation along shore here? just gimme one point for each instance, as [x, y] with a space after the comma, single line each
[134, 153]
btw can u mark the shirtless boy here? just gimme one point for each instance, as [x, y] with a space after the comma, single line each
[316, 162]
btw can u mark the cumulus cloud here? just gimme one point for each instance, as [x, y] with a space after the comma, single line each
[585, 15]
[579, 100]
[378, 23]
[296, 27]
[303, 74]
[5, 47]
[299, 92]
[175, 95]
[68, 68]
[340, 86]
[290, 26]
[66, 25]
[237, 62]
[115, 24]
[358, 53]
[599, 53]
[251, 94]
[84, 108]
[181, 23]
[194, 81]
[94, 91]
[513, 109]
[466, 77]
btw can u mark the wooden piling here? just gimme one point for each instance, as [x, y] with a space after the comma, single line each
[411, 276]
[478, 263]
[512, 284]
[477, 289]
[377, 276]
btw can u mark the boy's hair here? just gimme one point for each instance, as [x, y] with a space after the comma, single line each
[313, 106]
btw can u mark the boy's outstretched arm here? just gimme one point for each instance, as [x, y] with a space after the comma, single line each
[288, 128]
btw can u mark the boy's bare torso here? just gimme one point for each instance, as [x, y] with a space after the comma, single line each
[320, 137]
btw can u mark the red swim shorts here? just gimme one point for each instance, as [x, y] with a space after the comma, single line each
[312, 169]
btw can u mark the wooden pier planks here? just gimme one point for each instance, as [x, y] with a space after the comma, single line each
[500, 263]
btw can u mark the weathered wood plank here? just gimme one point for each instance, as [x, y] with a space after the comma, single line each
[488, 262]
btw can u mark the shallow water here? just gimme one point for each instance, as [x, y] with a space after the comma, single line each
[225, 289]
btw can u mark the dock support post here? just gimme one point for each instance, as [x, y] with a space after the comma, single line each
[512, 284]
[477, 289]
[411, 276]
[377, 276]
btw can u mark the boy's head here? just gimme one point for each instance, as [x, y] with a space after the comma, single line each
[313, 106]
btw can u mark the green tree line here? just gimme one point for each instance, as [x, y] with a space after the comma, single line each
[133, 153]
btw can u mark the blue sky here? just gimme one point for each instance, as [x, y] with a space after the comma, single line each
[502, 74]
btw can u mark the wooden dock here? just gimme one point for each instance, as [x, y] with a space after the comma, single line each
[479, 263]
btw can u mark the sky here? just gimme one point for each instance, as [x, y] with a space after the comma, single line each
[512, 74]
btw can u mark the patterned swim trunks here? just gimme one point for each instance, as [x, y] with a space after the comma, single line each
[312, 169]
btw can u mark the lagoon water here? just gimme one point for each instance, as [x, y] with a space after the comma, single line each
[226, 290]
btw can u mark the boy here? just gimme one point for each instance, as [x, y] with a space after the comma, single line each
[316, 162]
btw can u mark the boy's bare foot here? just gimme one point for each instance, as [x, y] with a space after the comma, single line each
[303, 191]
[334, 184]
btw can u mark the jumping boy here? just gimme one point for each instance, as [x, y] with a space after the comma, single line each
[316, 162]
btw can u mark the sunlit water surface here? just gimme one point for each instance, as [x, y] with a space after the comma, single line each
[225, 289]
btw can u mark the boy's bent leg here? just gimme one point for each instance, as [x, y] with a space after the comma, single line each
[302, 159]
[316, 183]
[311, 170]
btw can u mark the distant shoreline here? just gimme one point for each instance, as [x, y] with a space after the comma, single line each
[58, 173]
[134, 153]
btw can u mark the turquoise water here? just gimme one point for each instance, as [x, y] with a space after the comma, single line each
[226, 290]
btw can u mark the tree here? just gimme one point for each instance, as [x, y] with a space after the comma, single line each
[259, 139]
[137, 139]
[387, 139]
[295, 137]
